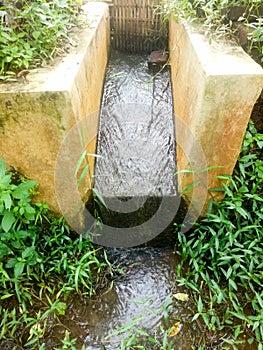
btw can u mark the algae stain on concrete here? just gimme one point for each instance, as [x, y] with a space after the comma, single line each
[35, 116]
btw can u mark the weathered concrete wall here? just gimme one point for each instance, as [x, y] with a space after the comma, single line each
[215, 86]
[36, 115]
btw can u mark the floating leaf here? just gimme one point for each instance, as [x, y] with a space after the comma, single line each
[175, 329]
[181, 296]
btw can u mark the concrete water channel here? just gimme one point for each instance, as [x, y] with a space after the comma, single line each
[136, 162]
[135, 169]
[51, 103]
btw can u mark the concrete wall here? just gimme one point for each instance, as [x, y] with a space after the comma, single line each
[37, 114]
[215, 86]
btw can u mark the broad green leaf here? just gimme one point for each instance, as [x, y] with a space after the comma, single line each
[11, 263]
[36, 34]
[28, 251]
[23, 234]
[4, 250]
[19, 268]
[7, 200]
[22, 190]
[8, 220]
[30, 212]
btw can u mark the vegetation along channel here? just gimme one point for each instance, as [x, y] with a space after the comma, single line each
[165, 289]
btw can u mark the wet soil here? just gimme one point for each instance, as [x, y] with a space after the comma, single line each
[147, 285]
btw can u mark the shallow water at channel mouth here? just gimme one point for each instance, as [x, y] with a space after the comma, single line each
[138, 298]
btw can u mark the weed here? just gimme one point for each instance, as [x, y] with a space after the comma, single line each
[213, 17]
[33, 33]
[224, 250]
[41, 261]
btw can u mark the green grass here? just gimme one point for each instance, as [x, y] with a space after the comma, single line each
[213, 17]
[33, 33]
[41, 263]
[222, 256]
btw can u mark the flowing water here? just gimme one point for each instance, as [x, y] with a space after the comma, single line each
[136, 166]
[139, 297]
[136, 132]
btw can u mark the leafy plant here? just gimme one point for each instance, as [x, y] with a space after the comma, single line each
[256, 36]
[224, 250]
[33, 33]
[214, 19]
[41, 262]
